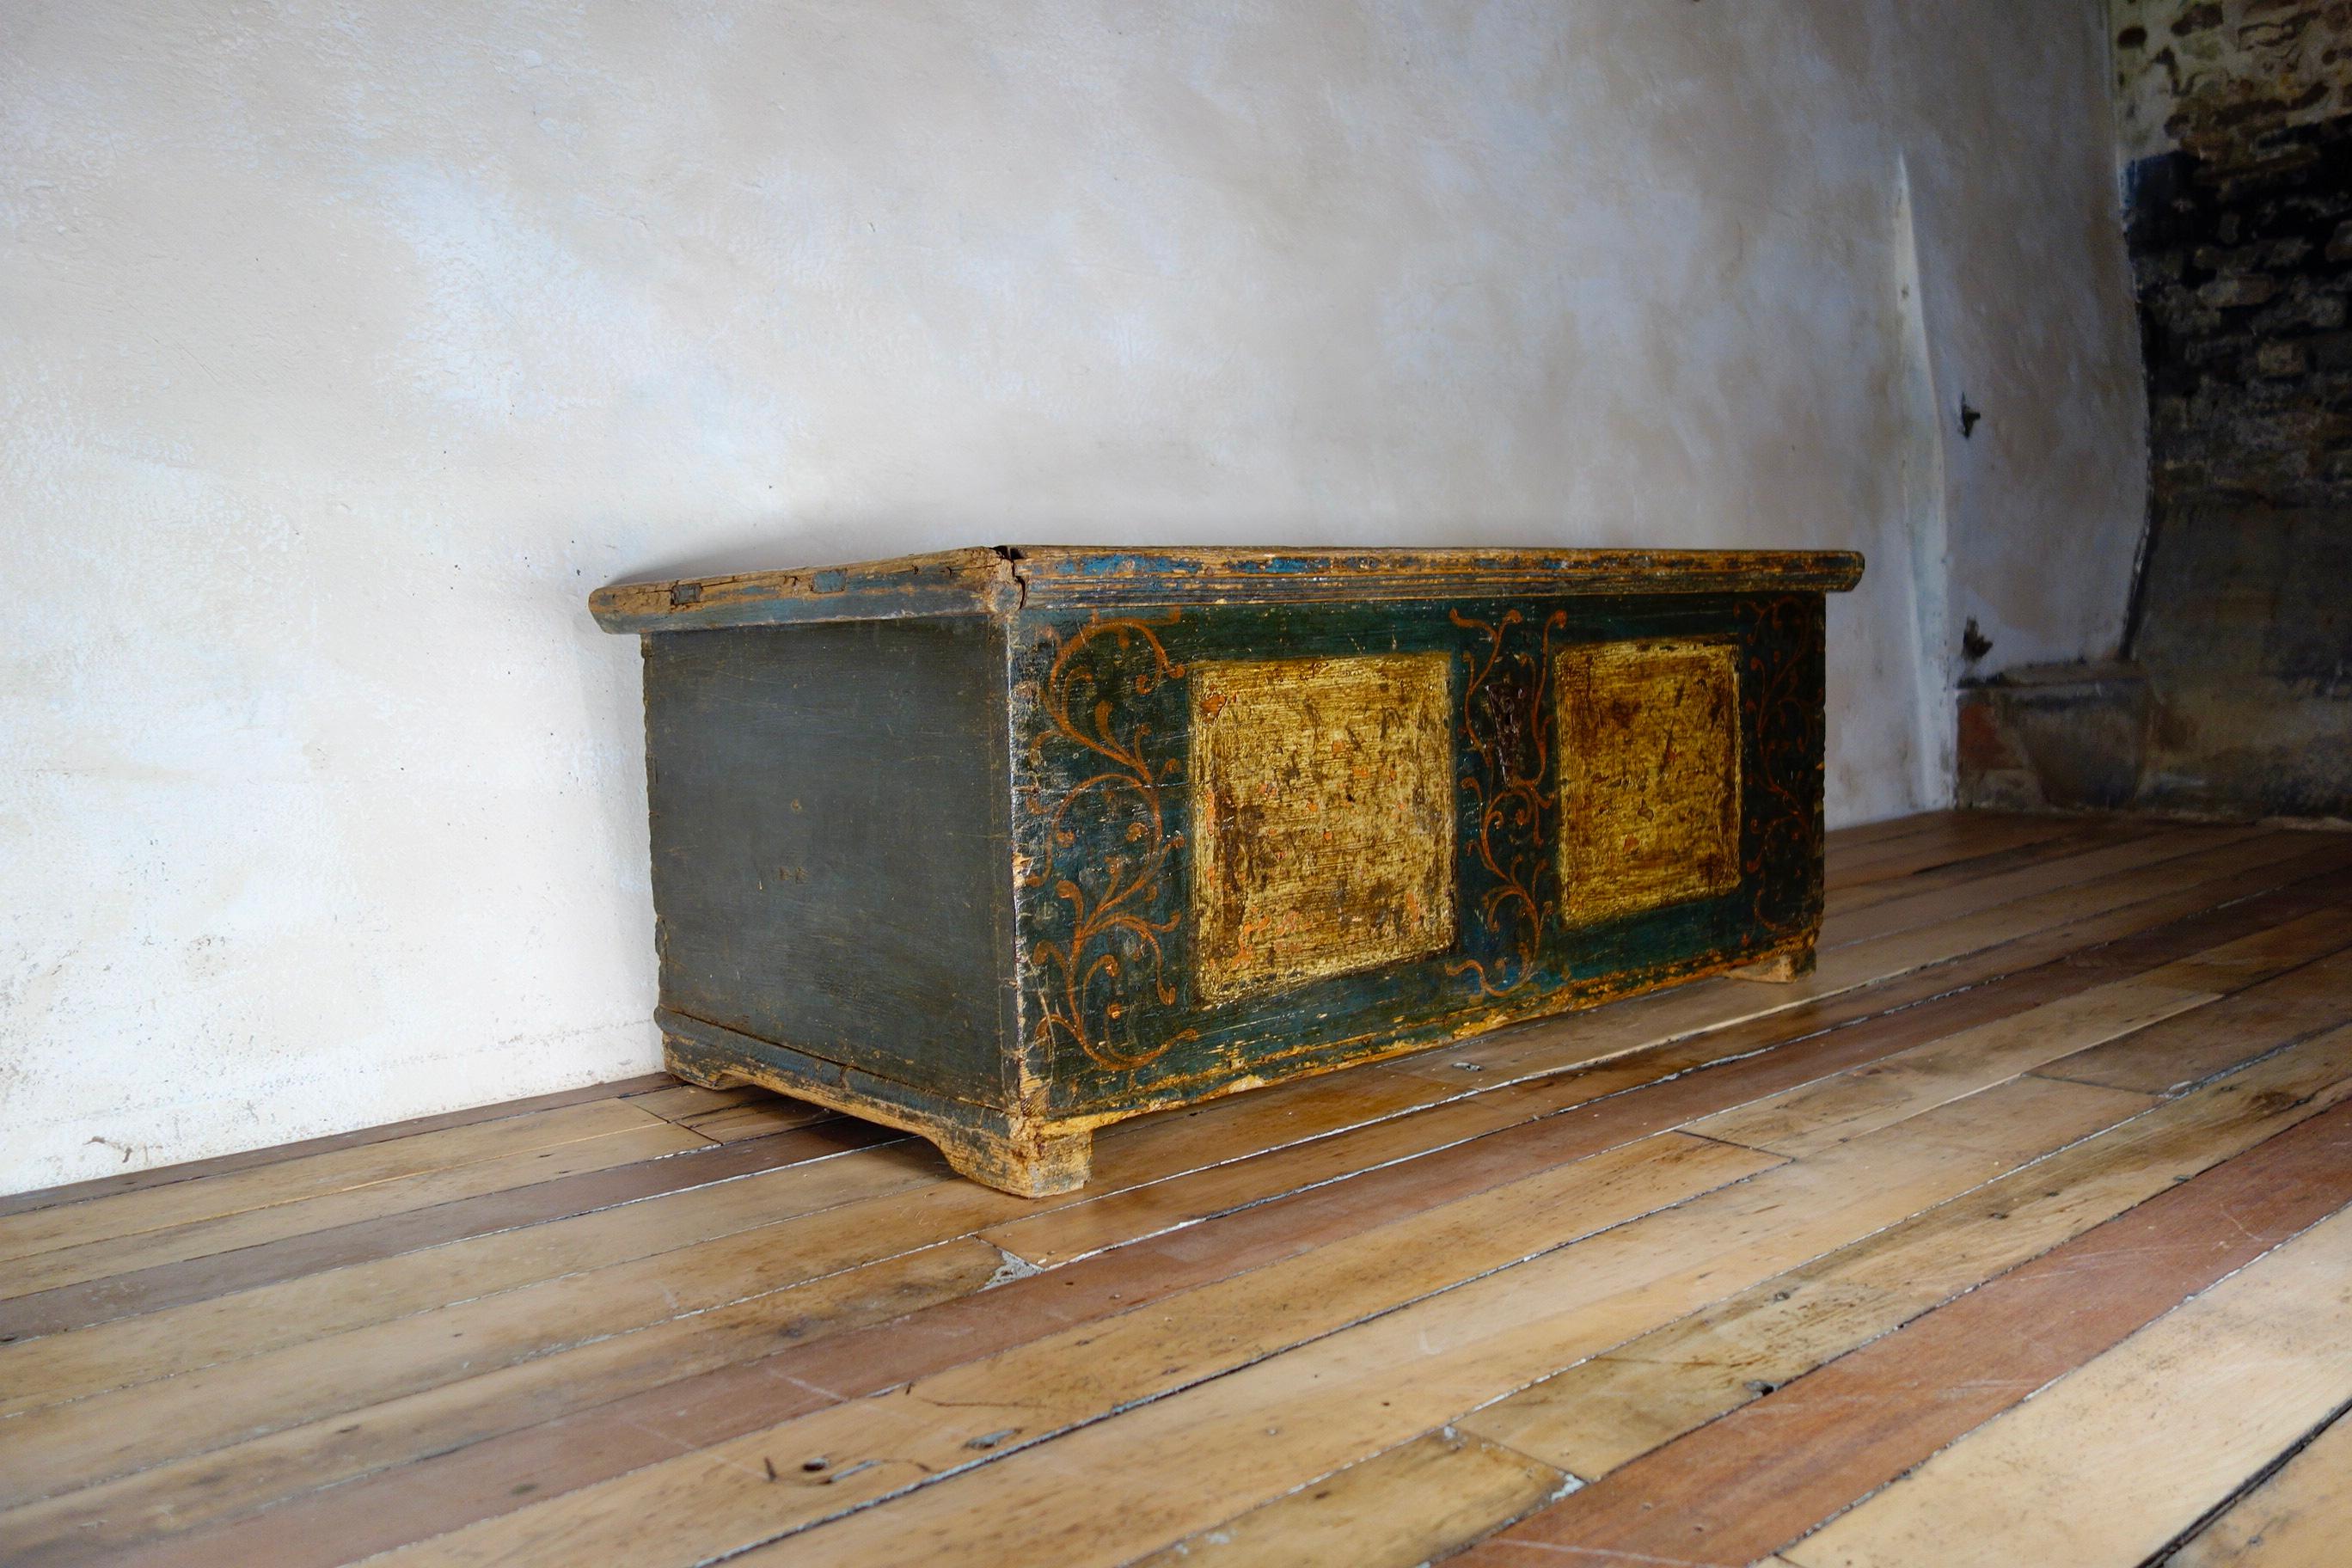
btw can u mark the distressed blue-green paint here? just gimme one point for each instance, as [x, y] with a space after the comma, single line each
[861, 878]
[1180, 1043]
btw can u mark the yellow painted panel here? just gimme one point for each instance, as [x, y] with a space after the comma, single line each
[1649, 766]
[1322, 817]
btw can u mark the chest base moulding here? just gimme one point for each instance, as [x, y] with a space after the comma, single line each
[1001, 846]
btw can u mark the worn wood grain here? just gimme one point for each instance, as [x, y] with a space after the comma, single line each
[2083, 869]
[880, 1226]
[309, 1178]
[988, 579]
[2094, 1469]
[1395, 1509]
[1868, 893]
[1735, 1490]
[1181, 1463]
[102, 1522]
[1596, 1416]
[239, 1397]
[1625, 1095]
[664, 1423]
[1975, 846]
[1077, 1225]
[246, 1159]
[2295, 1519]
[731, 1115]
[2169, 1056]
[379, 1288]
[1859, 837]
[106, 1435]
[166, 1285]
[700, 1507]
[651, 1139]
[1862, 1099]
[1076, 1228]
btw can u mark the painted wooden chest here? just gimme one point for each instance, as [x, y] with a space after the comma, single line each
[1000, 846]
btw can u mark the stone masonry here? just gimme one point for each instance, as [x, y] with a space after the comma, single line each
[2235, 696]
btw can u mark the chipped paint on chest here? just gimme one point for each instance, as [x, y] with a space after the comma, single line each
[1323, 817]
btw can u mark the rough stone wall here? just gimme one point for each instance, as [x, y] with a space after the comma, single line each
[2236, 122]
[2244, 265]
[2193, 72]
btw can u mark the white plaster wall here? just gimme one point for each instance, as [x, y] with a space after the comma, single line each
[344, 347]
[2031, 318]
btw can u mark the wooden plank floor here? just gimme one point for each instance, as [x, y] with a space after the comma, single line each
[2021, 1232]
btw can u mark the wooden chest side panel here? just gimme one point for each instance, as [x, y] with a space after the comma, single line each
[830, 862]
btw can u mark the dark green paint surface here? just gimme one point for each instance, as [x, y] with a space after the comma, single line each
[829, 820]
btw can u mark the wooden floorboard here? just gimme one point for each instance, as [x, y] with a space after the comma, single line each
[1399, 1508]
[2095, 1467]
[1598, 1415]
[225, 1164]
[153, 1289]
[1913, 860]
[2294, 1517]
[316, 1179]
[1757, 1479]
[1845, 840]
[217, 1487]
[1695, 1278]
[1181, 1462]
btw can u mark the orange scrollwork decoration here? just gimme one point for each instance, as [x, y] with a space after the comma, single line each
[1505, 740]
[1110, 874]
